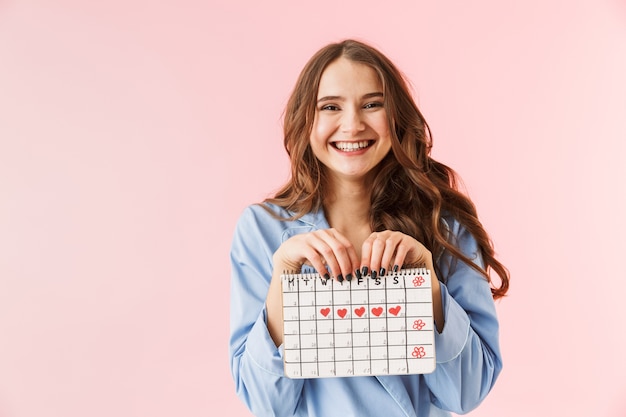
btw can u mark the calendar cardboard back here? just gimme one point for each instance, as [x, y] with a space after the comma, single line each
[380, 326]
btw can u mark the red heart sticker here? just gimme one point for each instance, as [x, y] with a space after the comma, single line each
[342, 312]
[377, 311]
[359, 311]
[395, 310]
[325, 311]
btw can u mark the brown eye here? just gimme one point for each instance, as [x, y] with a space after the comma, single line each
[373, 105]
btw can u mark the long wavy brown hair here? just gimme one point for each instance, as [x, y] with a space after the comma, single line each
[411, 191]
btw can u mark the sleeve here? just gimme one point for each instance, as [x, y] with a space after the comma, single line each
[256, 363]
[467, 350]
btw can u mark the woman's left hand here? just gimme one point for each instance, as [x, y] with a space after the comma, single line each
[387, 250]
[383, 251]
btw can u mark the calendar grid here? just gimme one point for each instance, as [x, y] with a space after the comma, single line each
[367, 326]
[351, 327]
[387, 341]
[316, 324]
[316, 333]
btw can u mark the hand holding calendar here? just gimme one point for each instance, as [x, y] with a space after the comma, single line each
[388, 248]
[328, 250]
[322, 249]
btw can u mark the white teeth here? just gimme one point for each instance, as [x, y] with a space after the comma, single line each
[352, 146]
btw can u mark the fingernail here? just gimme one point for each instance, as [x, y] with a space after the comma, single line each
[365, 270]
[326, 276]
[395, 268]
[357, 272]
[382, 272]
[340, 278]
[349, 277]
[373, 274]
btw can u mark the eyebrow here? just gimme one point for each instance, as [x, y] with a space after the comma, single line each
[366, 96]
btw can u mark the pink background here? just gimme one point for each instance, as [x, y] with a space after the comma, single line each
[133, 133]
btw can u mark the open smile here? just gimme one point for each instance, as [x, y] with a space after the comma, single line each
[352, 146]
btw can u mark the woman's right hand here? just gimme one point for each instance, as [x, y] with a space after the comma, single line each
[328, 251]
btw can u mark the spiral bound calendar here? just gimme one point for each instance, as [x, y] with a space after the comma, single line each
[380, 326]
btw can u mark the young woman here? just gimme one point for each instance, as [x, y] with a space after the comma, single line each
[364, 198]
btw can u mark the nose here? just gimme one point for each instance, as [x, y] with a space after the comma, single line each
[352, 122]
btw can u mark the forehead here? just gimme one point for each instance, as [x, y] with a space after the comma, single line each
[343, 77]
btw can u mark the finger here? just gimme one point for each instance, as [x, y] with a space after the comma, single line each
[366, 254]
[373, 250]
[415, 254]
[349, 260]
[391, 244]
[342, 254]
[402, 250]
[315, 251]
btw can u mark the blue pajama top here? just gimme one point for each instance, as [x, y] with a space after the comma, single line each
[467, 350]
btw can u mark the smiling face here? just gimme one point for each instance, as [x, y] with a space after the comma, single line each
[350, 134]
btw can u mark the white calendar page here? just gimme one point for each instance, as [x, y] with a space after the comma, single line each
[381, 326]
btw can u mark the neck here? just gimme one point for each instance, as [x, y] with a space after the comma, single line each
[347, 206]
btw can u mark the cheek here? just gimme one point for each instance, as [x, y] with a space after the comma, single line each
[321, 131]
[382, 128]
[321, 124]
[378, 121]
[316, 138]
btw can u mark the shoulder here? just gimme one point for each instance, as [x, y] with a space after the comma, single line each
[260, 219]
[452, 225]
[262, 212]
[271, 222]
[266, 215]
[459, 236]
